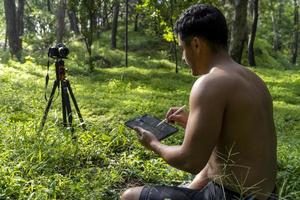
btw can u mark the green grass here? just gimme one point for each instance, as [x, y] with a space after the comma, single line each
[107, 158]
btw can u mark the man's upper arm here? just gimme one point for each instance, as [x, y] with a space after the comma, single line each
[207, 104]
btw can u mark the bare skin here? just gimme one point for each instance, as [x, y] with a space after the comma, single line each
[229, 132]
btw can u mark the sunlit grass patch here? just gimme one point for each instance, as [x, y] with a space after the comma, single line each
[105, 159]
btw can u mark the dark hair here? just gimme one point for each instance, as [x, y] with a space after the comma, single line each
[204, 21]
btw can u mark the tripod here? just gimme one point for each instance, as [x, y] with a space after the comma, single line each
[66, 90]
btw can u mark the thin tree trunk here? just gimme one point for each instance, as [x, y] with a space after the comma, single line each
[136, 22]
[49, 6]
[87, 23]
[275, 23]
[136, 19]
[92, 28]
[12, 31]
[296, 33]
[60, 17]
[73, 22]
[105, 15]
[280, 11]
[5, 41]
[126, 34]
[115, 25]
[251, 56]
[99, 15]
[174, 39]
[239, 29]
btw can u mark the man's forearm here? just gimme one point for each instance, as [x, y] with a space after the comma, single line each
[174, 156]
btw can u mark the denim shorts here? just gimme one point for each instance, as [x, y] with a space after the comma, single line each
[212, 191]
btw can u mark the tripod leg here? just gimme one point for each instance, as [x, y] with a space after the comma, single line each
[63, 103]
[68, 106]
[68, 109]
[69, 112]
[82, 124]
[55, 85]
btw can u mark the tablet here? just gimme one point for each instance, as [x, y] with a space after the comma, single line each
[149, 123]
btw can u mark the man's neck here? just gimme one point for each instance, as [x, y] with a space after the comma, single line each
[220, 58]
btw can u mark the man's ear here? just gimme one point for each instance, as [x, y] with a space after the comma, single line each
[196, 44]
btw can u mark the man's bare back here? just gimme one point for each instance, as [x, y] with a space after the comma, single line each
[229, 136]
[244, 158]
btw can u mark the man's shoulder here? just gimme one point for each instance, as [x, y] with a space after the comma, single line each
[214, 81]
[211, 87]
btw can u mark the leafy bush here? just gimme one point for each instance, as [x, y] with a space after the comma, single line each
[267, 57]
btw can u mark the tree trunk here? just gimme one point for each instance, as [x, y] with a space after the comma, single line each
[239, 29]
[5, 41]
[280, 10]
[87, 20]
[174, 38]
[136, 19]
[276, 20]
[251, 57]
[115, 25]
[12, 31]
[20, 18]
[49, 6]
[73, 22]
[136, 22]
[296, 33]
[60, 19]
[105, 15]
[126, 34]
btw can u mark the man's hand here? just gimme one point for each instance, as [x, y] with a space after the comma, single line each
[179, 118]
[146, 138]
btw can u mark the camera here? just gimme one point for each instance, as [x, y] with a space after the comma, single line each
[58, 51]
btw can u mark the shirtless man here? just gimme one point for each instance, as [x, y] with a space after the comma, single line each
[230, 140]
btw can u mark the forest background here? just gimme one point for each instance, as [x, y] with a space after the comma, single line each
[124, 62]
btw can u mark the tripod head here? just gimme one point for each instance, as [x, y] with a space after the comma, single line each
[58, 52]
[60, 69]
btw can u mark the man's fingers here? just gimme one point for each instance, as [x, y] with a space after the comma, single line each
[136, 128]
[139, 131]
[170, 120]
[173, 118]
[171, 111]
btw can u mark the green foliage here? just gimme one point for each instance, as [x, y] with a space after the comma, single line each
[270, 11]
[267, 57]
[162, 15]
[40, 26]
[100, 162]
[5, 55]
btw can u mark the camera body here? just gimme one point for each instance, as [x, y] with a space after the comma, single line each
[58, 51]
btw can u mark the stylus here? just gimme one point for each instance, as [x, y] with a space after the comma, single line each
[176, 112]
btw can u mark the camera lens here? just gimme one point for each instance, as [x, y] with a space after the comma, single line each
[63, 52]
[53, 52]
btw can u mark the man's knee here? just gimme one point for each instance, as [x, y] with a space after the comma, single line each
[132, 194]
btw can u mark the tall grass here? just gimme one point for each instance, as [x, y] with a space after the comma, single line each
[106, 158]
